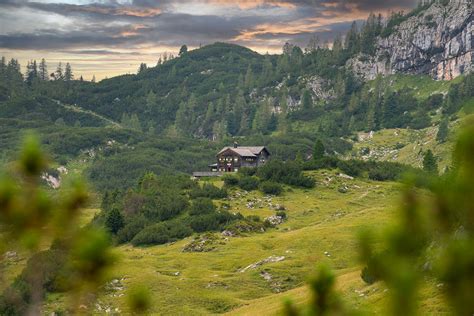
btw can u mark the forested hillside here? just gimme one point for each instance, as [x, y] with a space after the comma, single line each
[345, 123]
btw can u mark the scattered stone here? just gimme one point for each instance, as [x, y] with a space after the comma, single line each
[275, 220]
[343, 189]
[215, 284]
[279, 207]
[270, 259]
[202, 243]
[267, 276]
[11, 255]
[228, 233]
[345, 176]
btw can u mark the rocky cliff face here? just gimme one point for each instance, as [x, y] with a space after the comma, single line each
[438, 41]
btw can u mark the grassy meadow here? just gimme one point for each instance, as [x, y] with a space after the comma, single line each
[322, 226]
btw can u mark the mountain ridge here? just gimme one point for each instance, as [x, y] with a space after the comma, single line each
[436, 41]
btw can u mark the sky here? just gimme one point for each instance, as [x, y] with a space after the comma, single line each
[106, 38]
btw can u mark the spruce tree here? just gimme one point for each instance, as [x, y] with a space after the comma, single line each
[319, 150]
[183, 50]
[442, 131]
[142, 68]
[68, 75]
[307, 100]
[429, 162]
[114, 221]
[43, 70]
[58, 74]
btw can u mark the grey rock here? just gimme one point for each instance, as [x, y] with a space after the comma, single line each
[437, 42]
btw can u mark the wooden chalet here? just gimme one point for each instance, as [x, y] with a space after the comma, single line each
[231, 159]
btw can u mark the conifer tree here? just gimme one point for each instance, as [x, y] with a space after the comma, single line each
[31, 72]
[43, 70]
[3, 66]
[114, 221]
[182, 120]
[429, 162]
[58, 74]
[183, 50]
[142, 68]
[249, 79]
[319, 150]
[307, 100]
[68, 75]
[443, 131]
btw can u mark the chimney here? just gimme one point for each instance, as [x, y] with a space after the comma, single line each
[236, 145]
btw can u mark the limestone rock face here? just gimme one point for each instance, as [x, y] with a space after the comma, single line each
[438, 42]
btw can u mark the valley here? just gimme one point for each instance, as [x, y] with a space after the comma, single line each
[367, 172]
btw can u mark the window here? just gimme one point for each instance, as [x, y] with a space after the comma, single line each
[229, 158]
[236, 169]
[236, 159]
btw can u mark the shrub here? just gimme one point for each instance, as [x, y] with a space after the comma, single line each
[289, 173]
[245, 226]
[246, 171]
[322, 163]
[248, 183]
[212, 221]
[269, 187]
[367, 276]
[209, 191]
[230, 180]
[353, 168]
[281, 214]
[131, 229]
[161, 233]
[202, 206]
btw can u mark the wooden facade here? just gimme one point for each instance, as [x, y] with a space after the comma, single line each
[231, 159]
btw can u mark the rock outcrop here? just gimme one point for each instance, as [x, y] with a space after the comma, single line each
[438, 41]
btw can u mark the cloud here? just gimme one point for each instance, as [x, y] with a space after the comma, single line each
[138, 27]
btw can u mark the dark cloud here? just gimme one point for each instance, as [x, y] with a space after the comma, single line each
[109, 24]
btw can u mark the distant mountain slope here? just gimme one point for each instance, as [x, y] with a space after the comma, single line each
[435, 39]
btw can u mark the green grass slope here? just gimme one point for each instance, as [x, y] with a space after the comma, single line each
[321, 227]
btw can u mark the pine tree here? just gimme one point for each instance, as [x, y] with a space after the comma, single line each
[114, 221]
[183, 50]
[31, 72]
[135, 122]
[13, 72]
[352, 43]
[249, 79]
[314, 44]
[142, 68]
[68, 75]
[262, 117]
[443, 131]
[58, 74]
[307, 100]
[3, 66]
[429, 162]
[151, 101]
[319, 150]
[182, 120]
[287, 49]
[43, 70]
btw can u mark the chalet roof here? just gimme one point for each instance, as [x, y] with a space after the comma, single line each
[242, 151]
